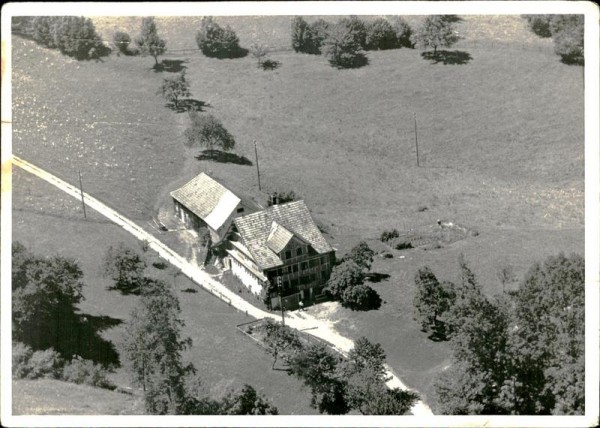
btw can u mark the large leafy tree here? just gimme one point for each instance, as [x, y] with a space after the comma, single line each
[45, 292]
[153, 347]
[343, 276]
[342, 48]
[217, 42]
[208, 131]
[362, 255]
[174, 88]
[436, 32]
[432, 299]
[149, 42]
[280, 340]
[125, 267]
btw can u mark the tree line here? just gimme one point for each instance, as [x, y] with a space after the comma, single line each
[566, 31]
[519, 353]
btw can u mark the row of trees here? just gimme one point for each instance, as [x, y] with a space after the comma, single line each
[344, 42]
[72, 35]
[566, 31]
[518, 353]
[346, 283]
[338, 384]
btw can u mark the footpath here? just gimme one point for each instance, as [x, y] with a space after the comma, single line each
[297, 319]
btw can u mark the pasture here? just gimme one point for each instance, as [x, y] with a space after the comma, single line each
[500, 138]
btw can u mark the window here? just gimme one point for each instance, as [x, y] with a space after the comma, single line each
[303, 280]
[294, 282]
[299, 251]
[296, 268]
[286, 284]
[304, 266]
[288, 254]
[324, 275]
[240, 210]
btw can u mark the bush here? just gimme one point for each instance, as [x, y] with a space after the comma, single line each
[217, 42]
[388, 235]
[45, 363]
[539, 24]
[86, 372]
[21, 354]
[403, 33]
[381, 35]
[358, 29]
[567, 33]
[277, 198]
[360, 297]
[341, 49]
[308, 38]
[122, 41]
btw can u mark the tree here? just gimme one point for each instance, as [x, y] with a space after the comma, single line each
[317, 367]
[124, 266]
[149, 42]
[246, 401]
[175, 87]
[341, 47]
[208, 131]
[362, 255]
[381, 35]
[432, 299]
[567, 34]
[361, 297]
[280, 340]
[217, 42]
[153, 348]
[357, 28]
[300, 34]
[548, 339]
[539, 24]
[435, 32]
[403, 32]
[122, 41]
[258, 51]
[318, 30]
[45, 292]
[346, 274]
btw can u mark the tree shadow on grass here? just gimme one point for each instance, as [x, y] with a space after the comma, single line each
[439, 332]
[170, 65]
[270, 64]
[376, 277]
[188, 105]
[190, 290]
[223, 157]
[448, 57]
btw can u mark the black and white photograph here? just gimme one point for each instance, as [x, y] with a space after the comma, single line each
[300, 214]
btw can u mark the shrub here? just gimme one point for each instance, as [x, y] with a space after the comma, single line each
[539, 24]
[358, 29]
[360, 297]
[217, 42]
[21, 354]
[277, 198]
[45, 363]
[403, 33]
[209, 132]
[258, 51]
[403, 245]
[381, 35]
[300, 34]
[308, 38]
[122, 41]
[341, 48]
[567, 33]
[87, 372]
[388, 235]
[319, 30]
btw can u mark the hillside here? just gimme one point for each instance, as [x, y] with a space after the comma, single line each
[54, 397]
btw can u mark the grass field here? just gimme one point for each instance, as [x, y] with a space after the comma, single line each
[500, 137]
[224, 357]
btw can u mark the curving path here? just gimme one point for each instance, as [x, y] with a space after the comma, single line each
[297, 320]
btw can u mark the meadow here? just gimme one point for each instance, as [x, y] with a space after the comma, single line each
[500, 138]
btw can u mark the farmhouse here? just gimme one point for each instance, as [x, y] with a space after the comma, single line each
[203, 202]
[279, 253]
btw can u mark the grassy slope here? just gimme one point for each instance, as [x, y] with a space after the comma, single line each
[501, 138]
[53, 397]
[224, 357]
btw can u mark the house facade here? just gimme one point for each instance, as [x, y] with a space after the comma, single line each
[280, 252]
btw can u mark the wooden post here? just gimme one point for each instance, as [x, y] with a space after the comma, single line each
[257, 169]
[280, 300]
[416, 139]
[81, 190]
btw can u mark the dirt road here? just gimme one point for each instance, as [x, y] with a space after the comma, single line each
[297, 320]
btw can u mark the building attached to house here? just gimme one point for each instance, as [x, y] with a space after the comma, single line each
[278, 253]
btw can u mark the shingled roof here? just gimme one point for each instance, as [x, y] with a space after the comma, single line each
[208, 199]
[271, 229]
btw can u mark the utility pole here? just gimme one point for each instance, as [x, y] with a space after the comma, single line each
[280, 300]
[257, 169]
[81, 190]
[416, 138]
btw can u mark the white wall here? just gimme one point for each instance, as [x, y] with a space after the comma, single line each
[247, 278]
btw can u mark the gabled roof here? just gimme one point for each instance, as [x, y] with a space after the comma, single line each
[278, 237]
[266, 230]
[208, 199]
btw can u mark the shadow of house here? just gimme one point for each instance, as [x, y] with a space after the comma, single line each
[188, 105]
[448, 57]
[223, 157]
[170, 66]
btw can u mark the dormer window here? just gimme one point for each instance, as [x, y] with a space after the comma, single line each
[299, 251]
[288, 254]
